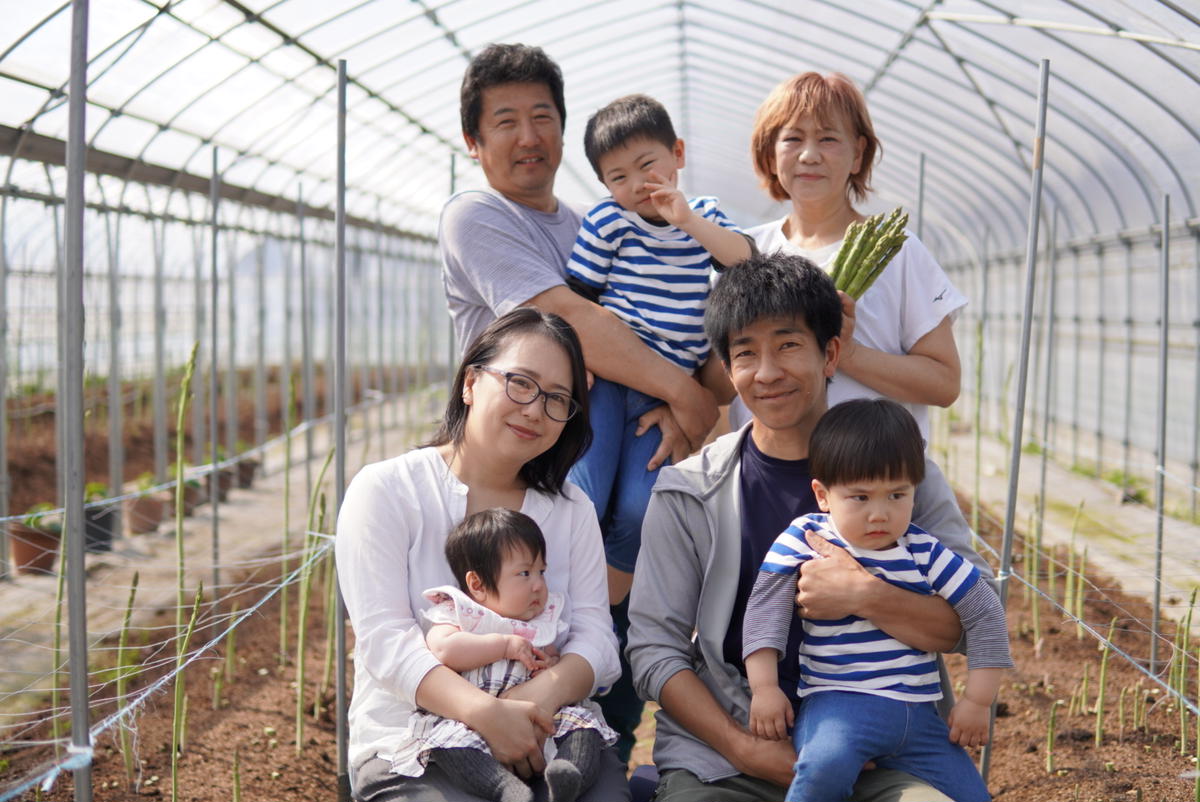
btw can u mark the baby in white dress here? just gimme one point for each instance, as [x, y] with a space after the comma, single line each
[498, 630]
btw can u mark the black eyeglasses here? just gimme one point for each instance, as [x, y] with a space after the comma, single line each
[522, 389]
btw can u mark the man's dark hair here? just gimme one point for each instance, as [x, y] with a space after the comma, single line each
[547, 471]
[772, 285]
[482, 540]
[507, 64]
[866, 439]
[622, 121]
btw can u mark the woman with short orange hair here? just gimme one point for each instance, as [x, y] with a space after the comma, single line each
[814, 144]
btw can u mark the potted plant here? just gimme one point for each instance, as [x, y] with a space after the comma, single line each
[247, 467]
[35, 540]
[145, 510]
[97, 521]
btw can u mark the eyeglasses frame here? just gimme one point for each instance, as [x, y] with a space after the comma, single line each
[572, 404]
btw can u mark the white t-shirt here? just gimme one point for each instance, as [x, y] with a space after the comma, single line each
[906, 302]
[391, 536]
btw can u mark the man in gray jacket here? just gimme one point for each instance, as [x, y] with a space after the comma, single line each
[774, 322]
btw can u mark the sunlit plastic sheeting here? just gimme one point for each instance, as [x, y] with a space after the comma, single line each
[953, 80]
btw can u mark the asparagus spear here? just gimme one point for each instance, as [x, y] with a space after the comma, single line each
[866, 251]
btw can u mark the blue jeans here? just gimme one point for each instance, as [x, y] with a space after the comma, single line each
[837, 732]
[613, 471]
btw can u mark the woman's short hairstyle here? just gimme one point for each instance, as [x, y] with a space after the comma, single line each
[548, 470]
[507, 64]
[483, 539]
[772, 285]
[866, 439]
[824, 97]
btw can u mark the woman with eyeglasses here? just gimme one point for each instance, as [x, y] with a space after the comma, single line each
[516, 420]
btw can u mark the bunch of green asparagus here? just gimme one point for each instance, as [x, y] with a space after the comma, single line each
[866, 251]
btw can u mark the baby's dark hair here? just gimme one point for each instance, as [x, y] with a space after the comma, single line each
[626, 118]
[482, 540]
[865, 439]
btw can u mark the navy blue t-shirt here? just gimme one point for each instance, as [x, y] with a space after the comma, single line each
[774, 493]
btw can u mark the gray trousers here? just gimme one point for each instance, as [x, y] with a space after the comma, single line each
[374, 782]
[878, 785]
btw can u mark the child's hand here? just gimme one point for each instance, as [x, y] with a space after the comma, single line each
[770, 714]
[550, 659]
[969, 723]
[668, 201]
[517, 648]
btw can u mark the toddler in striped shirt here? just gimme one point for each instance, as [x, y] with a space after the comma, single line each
[646, 253]
[866, 696]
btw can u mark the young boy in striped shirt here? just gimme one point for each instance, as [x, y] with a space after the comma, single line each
[865, 696]
[646, 253]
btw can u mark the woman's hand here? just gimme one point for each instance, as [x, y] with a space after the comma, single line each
[847, 333]
[515, 731]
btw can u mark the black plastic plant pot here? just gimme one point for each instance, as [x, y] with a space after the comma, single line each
[98, 529]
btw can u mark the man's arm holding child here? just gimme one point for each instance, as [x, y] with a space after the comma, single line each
[837, 586]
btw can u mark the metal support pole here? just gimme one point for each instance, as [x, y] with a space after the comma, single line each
[1160, 449]
[158, 232]
[921, 198]
[1126, 433]
[199, 407]
[286, 396]
[1048, 379]
[232, 380]
[451, 345]
[70, 397]
[1075, 371]
[343, 770]
[306, 322]
[379, 358]
[214, 429]
[980, 339]
[1101, 379]
[5, 567]
[116, 403]
[1196, 377]
[260, 346]
[1035, 205]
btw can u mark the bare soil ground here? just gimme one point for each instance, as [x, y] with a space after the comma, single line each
[254, 725]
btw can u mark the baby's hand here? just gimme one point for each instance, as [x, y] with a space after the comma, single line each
[549, 657]
[668, 201]
[969, 723]
[770, 714]
[517, 648]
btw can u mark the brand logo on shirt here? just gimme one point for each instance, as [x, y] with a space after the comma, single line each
[940, 295]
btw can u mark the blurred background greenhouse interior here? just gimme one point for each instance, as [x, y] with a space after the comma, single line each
[236, 101]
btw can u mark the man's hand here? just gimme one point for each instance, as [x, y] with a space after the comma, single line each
[969, 723]
[832, 586]
[674, 445]
[770, 714]
[772, 761]
[668, 201]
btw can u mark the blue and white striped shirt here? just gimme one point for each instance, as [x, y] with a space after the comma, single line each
[654, 277]
[852, 653]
